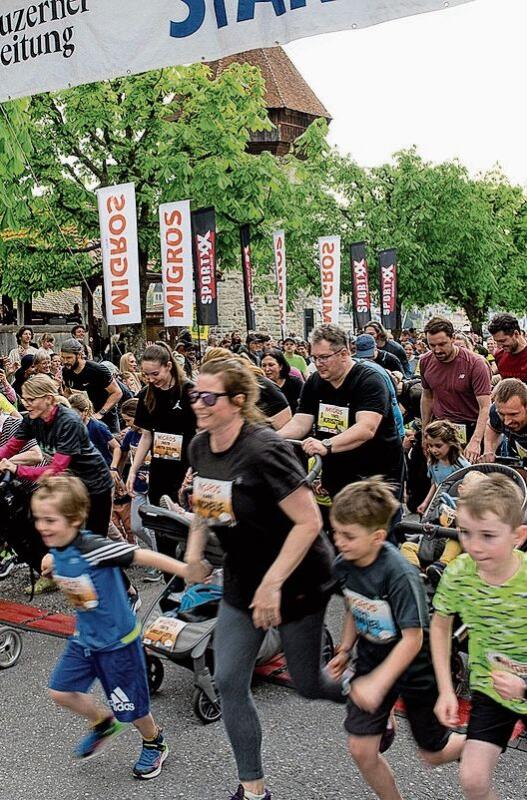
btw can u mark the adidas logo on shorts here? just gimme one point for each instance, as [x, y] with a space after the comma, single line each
[120, 701]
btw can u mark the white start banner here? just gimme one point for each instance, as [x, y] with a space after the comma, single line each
[176, 262]
[281, 277]
[120, 253]
[55, 44]
[329, 256]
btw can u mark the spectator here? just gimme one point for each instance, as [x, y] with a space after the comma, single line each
[292, 357]
[47, 342]
[42, 362]
[456, 386]
[79, 332]
[24, 347]
[380, 335]
[413, 361]
[128, 368]
[253, 347]
[96, 380]
[511, 357]
[23, 373]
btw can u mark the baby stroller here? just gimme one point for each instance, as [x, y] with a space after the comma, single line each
[179, 625]
[16, 524]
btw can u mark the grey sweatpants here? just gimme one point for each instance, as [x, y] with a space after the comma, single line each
[236, 645]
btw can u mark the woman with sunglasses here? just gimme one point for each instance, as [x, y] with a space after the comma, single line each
[167, 421]
[250, 489]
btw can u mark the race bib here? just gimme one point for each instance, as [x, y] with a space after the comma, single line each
[133, 451]
[167, 446]
[212, 501]
[163, 633]
[522, 452]
[373, 618]
[461, 431]
[80, 591]
[332, 419]
[498, 661]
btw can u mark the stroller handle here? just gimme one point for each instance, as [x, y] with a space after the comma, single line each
[427, 529]
[6, 478]
[316, 469]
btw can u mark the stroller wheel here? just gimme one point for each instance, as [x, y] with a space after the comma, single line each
[328, 648]
[10, 647]
[205, 710]
[155, 672]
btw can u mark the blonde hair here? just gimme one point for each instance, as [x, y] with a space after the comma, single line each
[495, 494]
[124, 363]
[447, 433]
[69, 494]
[79, 401]
[237, 379]
[471, 479]
[41, 386]
[371, 504]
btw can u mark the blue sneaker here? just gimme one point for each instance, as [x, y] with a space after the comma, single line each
[99, 738]
[150, 762]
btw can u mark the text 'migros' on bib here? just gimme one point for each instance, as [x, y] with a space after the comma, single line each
[332, 419]
[167, 446]
[212, 501]
[373, 618]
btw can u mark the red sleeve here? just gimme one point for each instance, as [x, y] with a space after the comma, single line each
[12, 447]
[59, 463]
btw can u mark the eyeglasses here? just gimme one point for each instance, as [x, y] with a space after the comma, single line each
[207, 398]
[323, 359]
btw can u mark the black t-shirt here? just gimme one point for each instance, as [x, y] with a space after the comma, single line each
[272, 400]
[94, 379]
[516, 440]
[292, 389]
[172, 424]
[239, 490]
[398, 351]
[335, 410]
[66, 434]
[389, 361]
[384, 599]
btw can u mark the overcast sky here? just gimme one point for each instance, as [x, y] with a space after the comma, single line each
[451, 82]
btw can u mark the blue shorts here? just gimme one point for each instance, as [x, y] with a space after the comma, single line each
[121, 672]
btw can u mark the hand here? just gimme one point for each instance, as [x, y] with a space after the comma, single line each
[313, 447]
[508, 686]
[130, 483]
[335, 668]
[266, 606]
[366, 693]
[473, 450]
[98, 415]
[421, 508]
[46, 566]
[447, 709]
[5, 464]
[487, 458]
[3, 377]
[197, 571]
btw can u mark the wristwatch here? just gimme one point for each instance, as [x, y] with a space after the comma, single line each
[328, 444]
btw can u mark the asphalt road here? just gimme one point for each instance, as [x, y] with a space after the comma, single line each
[304, 743]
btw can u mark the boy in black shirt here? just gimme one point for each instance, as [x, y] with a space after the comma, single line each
[387, 619]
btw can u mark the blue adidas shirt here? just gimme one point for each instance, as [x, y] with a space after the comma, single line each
[88, 571]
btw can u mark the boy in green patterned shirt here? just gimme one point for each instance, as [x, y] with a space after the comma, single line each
[487, 587]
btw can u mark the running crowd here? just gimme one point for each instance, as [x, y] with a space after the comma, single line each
[418, 424]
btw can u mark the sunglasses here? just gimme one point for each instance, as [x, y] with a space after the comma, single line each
[207, 398]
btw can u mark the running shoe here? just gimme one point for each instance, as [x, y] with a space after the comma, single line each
[153, 575]
[166, 502]
[7, 566]
[42, 586]
[99, 738]
[150, 762]
[135, 601]
[388, 736]
[434, 572]
[240, 794]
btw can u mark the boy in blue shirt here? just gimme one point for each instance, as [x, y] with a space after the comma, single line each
[387, 619]
[106, 643]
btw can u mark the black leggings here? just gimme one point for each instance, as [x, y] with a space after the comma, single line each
[100, 513]
[236, 646]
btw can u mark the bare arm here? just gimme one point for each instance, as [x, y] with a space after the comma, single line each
[491, 442]
[473, 448]
[340, 660]
[298, 427]
[302, 510]
[148, 558]
[440, 640]
[114, 395]
[427, 401]
[364, 429]
[196, 542]
[369, 690]
[31, 458]
[282, 418]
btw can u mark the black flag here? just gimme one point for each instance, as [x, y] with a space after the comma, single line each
[204, 253]
[388, 287]
[360, 285]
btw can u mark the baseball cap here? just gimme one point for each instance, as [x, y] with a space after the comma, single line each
[290, 339]
[365, 345]
[71, 346]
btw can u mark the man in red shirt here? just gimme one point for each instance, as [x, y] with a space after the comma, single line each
[456, 386]
[511, 357]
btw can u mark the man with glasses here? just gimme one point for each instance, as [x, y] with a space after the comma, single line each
[348, 405]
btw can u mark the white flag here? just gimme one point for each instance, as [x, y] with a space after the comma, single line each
[329, 254]
[281, 277]
[53, 45]
[176, 261]
[120, 253]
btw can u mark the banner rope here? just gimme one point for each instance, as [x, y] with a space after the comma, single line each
[50, 210]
